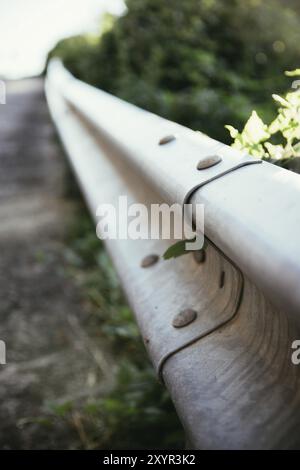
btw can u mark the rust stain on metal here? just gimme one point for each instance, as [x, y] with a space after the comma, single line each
[149, 261]
[165, 140]
[208, 162]
[184, 318]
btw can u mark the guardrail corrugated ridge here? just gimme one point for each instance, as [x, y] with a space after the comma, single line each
[229, 372]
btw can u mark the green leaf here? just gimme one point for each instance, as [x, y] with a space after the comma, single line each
[178, 249]
[232, 131]
[293, 73]
[281, 101]
[255, 130]
[275, 151]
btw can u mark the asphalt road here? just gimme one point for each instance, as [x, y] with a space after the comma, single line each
[49, 352]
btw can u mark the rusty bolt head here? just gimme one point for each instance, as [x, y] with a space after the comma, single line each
[166, 139]
[199, 256]
[208, 162]
[149, 261]
[184, 318]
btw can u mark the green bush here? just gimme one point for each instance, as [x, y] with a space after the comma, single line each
[202, 63]
[278, 142]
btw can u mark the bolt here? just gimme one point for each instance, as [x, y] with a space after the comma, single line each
[222, 279]
[165, 140]
[184, 318]
[199, 256]
[208, 162]
[149, 261]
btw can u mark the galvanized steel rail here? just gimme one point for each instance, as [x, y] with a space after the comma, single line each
[229, 372]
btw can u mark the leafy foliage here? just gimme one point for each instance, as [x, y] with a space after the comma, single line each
[279, 141]
[202, 63]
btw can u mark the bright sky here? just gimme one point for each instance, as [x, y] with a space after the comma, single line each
[30, 28]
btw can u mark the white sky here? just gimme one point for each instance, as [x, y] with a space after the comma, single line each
[30, 28]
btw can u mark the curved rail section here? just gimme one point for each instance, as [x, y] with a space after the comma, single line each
[229, 371]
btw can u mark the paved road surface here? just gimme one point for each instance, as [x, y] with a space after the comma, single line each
[41, 315]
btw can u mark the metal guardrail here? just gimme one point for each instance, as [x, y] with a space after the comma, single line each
[229, 372]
